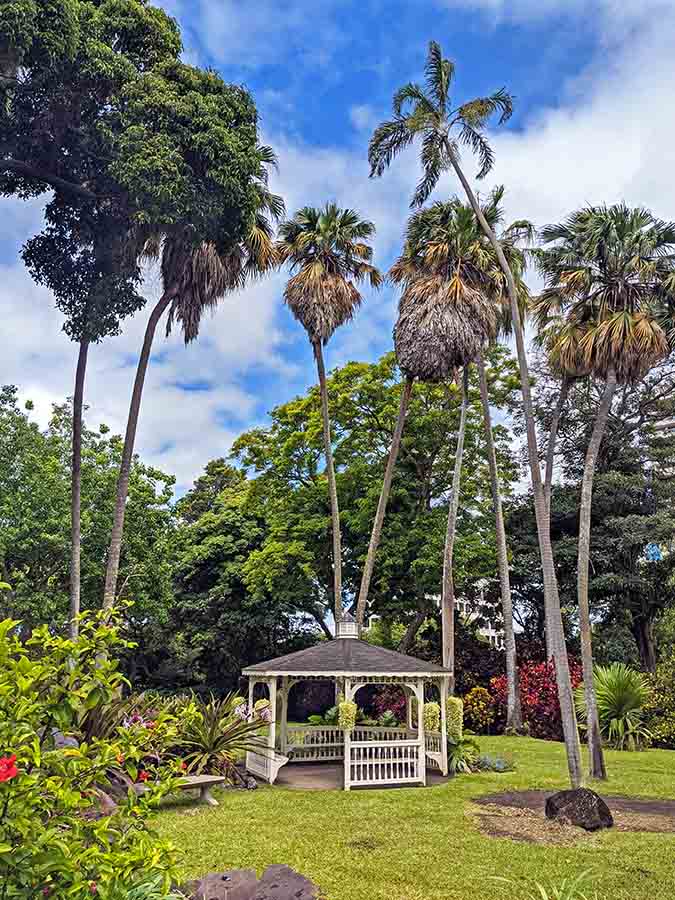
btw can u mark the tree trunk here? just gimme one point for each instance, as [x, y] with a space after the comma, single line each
[644, 638]
[448, 587]
[411, 631]
[76, 490]
[548, 476]
[332, 485]
[376, 533]
[514, 716]
[551, 595]
[597, 760]
[115, 547]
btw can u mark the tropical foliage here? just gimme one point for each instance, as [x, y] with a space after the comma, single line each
[622, 694]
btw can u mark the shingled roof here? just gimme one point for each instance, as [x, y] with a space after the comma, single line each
[343, 657]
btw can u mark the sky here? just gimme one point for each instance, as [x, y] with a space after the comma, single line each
[594, 122]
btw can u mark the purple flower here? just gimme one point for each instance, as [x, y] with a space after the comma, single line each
[241, 712]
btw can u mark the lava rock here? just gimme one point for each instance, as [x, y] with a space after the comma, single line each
[251, 784]
[580, 807]
[277, 883]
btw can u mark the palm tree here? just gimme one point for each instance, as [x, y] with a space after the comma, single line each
[445, 319]
[426, 112]
[194, 279]
[329, 254]
[609, 272]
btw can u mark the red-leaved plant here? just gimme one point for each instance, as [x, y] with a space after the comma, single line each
[538, 696]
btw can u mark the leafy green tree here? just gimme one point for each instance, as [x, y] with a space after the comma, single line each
[427, 113]
[609, 271]
[329, 255]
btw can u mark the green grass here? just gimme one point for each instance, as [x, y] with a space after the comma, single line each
[425, 843]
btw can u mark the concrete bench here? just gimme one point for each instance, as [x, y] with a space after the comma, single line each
[203, 783]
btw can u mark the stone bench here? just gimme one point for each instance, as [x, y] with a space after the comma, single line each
[202, 783]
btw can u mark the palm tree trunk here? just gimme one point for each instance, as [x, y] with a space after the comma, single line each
[448, 588]
[514, 716]
[115, 547]
[76, 490]
[597, 761]
[551, 595]
[382, 503]
[548, 475]
[332, 485]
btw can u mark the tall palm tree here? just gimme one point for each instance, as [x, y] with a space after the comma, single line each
[329, 255]
[194, 279]
[444, 322]
[426, 112]
[610, 272]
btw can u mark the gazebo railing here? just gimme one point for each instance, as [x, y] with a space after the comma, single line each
[307, 743]
[391, 762]
[434, 748]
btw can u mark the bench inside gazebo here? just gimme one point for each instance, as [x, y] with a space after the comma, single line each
[371, 755]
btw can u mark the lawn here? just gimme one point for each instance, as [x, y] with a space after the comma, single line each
[424, 844]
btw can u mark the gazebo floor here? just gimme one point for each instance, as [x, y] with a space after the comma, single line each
[329, 776]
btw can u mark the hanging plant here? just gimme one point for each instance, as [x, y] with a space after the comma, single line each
[432, 717]
[347, 715]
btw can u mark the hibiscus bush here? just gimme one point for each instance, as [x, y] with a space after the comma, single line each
[61, 834]
[538, 697]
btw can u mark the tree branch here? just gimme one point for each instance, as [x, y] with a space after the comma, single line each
[60, 184]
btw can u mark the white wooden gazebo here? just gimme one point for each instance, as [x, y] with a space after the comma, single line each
[372, 755]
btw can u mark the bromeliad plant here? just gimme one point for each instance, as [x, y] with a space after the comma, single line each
[54, 840]
[214, 735]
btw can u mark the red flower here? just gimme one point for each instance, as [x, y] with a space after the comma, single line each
[143, 775]
[93, 887]
[7, 768]
[183, 765]
[120, 759]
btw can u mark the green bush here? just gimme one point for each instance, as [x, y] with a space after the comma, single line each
[214, 734]
[660, 706]
[463, 756]
[432, 717]
[622, 694]
[347, 715]
[455, 720]
[54, 840]
[479, 710]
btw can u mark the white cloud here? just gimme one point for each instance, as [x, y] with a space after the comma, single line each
[363, 117]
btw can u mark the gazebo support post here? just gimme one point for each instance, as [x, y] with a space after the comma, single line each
[419, 692]
[409, 709]
[444, 725]
[348, 741]
[272, 734]
[284, 713]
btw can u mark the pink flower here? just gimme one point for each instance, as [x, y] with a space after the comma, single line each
[93, 887]
[143, 775]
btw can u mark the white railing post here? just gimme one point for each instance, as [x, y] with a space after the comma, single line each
[348, 742]
[422, 751]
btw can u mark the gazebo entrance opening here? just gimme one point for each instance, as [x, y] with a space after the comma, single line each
[371, 754]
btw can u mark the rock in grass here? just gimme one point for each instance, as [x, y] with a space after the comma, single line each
[580, 807]
[277, 883]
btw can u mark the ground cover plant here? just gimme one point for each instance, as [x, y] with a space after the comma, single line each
[323, 834]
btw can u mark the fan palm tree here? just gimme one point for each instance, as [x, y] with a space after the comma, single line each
[445, 320]
[194, 279]
[610, 273]
[426, 112]
[329, 255]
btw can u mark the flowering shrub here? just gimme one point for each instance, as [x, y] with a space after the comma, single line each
[432, 717]
[263, 710]
[455, 721]
[538, 697]
[479, 712]
[55, 840]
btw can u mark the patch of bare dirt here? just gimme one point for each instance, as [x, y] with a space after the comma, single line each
[519, 815]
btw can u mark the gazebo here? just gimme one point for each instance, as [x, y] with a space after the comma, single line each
[372, 755]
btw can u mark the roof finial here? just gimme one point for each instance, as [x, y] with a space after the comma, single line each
[347, 627]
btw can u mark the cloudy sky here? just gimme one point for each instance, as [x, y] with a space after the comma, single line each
[594, 82]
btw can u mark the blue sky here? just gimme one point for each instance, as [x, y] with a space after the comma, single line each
[593, 82]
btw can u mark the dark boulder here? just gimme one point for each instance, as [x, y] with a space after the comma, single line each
[580, 807]
[277, 883]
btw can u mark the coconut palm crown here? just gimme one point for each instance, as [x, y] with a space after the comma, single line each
[427, 112]
[610, 291]
[454, 294]
[328, 254]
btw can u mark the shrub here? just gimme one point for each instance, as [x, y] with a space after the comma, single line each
[621, 694]
[488, 763]
[213, 734]
[54, 839]
[463, 755]
[455, 719]
[432, 717]
[479, 713]
[390, 699]
[387, 719]
[347, 715]
[538, 697]
[660, 705]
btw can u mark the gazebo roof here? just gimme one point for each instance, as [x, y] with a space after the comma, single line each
[343, 657]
